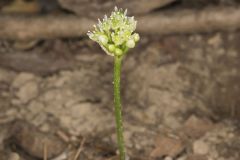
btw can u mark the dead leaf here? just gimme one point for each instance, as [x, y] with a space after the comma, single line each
[167, 146]
[196, 127]
[32, 141]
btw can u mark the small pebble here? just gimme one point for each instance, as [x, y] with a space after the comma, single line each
[200, 147]
[14, 156]
[168, 158]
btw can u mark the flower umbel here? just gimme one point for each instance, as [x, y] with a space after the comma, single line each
[115, 34]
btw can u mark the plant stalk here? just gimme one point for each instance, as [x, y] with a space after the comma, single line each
[118, 107]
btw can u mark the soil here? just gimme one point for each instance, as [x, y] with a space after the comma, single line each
[179, 91]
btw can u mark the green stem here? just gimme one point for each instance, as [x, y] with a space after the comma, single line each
[118, 107]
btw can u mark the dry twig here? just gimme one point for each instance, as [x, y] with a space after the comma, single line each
[79, 149]
[63, 136]
[185, 21]
[45, 151]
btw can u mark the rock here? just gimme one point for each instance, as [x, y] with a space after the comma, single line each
[27, 91]
[82, 109]
[6, 76]
[35, 107]
[15, 101]
[32, 141]
[21, 79]
[61, 81]
[45, 128]
[200, 147]
[65, 120]
[168, 158]
[51, 95]
[39, 119]
[195, 127]
[215, 41]
[167, 146]
[11, 112]
[172, 121]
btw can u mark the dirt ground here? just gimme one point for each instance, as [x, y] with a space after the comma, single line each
[180, 92]
[180, 101]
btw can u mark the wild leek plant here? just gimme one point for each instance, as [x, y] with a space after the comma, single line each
[115, 35]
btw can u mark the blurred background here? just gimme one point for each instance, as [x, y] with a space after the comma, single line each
[180, 85]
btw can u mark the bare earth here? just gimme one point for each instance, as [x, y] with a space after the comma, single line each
[180, 102]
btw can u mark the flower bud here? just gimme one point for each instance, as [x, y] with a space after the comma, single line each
[103, 39]
[130, 43]
[136, 37]
[118, 52]
[111, 47]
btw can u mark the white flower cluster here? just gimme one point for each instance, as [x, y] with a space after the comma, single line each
[115, 34]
